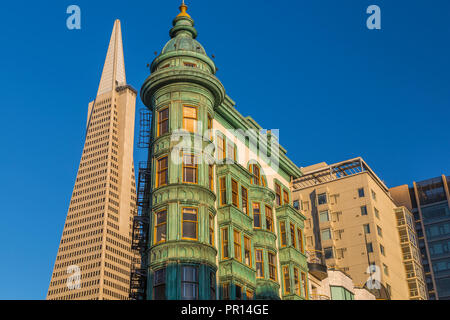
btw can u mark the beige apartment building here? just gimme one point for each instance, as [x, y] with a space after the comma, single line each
[352, 224]
[94, 256]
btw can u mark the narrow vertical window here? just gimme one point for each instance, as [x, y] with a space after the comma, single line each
[287, 280]
[277, 194]
[223, 191]
[189, 283]
[221, 148]
[189, 225]
[300, 240]
[162, 172]
[234, 193]
[231, 151]
[259, 263]
[212, 286]
[269, 218]
[226, 291]
[210, 127]
[293, 240]
[163, 121]
[237, 245]
[256, 175]
[248, 251]
[190, 168]
[211, 230]
[304, 285]
[225, 251]
[160, 226]
[283, 233]
[297, 282]
[256, 215]
[190, 119]
[272, 266]
[159, 285]
[244, 193]
[238, 291]
[286, 197]
[211, 177]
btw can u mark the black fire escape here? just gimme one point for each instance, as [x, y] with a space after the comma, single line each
[141, 223]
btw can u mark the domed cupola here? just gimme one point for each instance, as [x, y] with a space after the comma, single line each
[183, 34]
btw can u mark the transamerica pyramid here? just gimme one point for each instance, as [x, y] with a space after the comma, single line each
[95, 256]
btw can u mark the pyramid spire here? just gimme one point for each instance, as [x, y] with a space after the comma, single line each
[113, 74]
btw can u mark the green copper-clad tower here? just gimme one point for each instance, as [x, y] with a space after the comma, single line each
[221, 226]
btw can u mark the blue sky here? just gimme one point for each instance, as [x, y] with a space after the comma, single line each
[312, 69]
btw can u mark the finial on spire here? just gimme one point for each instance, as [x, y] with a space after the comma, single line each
[183, 9]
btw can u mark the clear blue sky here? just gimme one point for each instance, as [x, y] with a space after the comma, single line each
[309, 68]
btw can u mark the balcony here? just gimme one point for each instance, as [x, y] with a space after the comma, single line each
[316, 264]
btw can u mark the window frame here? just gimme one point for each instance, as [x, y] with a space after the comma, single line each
[234, 193]
[247, 248]
[162, 121]
[223, 191]
[156, 226]
[259, 263]
[300, 240]
[283, 234]
[193, 166]
[257, 214]
[244, 200]
[189, 221]
[195, 128]
[293, 236]
[237, 245]
[223, 232]
[159, 171]
[195, 282]
[286, 281]
[269, 218]
[211, 229]
[278, 200]
[272, 265]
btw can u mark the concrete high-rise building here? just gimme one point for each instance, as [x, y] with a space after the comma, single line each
[353, 225]
[94, 256]
[429, 201]
[218, 212]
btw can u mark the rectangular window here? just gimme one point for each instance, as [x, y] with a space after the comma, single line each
[369, 247]
[304, 285]
[234, 193]
[225, 251]
[226, 291]
[190, 119]
[328, 252]
[283, 233]
[293, 240]
[259, 263]
[361, 192]
[287, 280]
[380, 232]
[160, 226]
[364, 211]
[297, 204]
[238, 291]
[300, 240]
[210, 127]
[211, 177]
[374, 195]
[190, 168]
[256, 175]
[159, 285]
[286, 197]
[211, 230]
[162, 172]
[231, 152]
[237, 245]
[189, 283]
[297, 282]
[244, 194]
[383, 252]
[221, 148]
[190, 64]
[163, 121]
[190, 221]
[326, 234]
[248, 251]
[272, 266]
[367, 228]
[223, 191]
[377, 213]
[385, 269]
[324, 216]
[256, 215]
[322, 198]
[277, 194]
[269, 218]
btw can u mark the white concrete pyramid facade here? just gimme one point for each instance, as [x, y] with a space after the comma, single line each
[94, 259]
